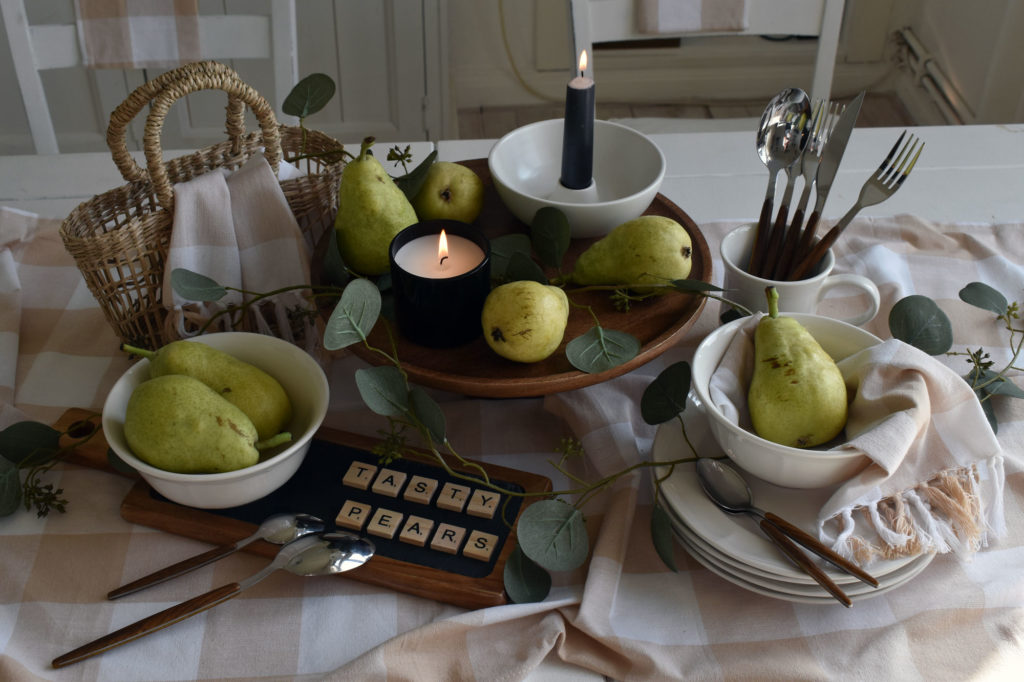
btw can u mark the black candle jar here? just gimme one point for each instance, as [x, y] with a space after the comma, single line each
[440, 311]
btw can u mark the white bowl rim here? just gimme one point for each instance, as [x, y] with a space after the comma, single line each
[714, 413]
[651, 186]
[238, 474]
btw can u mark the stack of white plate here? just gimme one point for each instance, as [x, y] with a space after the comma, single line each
[733, 546]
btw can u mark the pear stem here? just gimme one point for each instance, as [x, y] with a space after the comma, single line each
[364, 147]
[148, 354]
[773, 301]
[273, 441]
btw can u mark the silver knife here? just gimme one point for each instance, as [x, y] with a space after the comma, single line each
[830, 158]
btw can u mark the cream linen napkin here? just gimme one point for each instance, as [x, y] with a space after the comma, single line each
[237, 229]
[691, 16]
[935, 482]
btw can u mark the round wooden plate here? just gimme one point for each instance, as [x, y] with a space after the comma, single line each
[476, 370]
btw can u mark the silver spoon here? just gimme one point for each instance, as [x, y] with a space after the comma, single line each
[278, 529]
[781, 139]
[311, 555]
[730, 493]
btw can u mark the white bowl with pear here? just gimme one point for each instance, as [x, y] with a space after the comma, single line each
[628, 170]
[782, 465]
[302, 380]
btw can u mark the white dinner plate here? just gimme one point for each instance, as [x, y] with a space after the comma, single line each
[787, 594]
[852, 588]
[735, 536]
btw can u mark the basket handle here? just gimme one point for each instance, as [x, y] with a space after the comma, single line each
[237, 92]
[140, 98]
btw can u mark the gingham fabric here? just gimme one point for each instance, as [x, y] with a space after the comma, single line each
[137, 34]
[691, 16]
[623, 616]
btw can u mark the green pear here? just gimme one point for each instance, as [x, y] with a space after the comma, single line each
[649, 249]
[177, 423]
[797, 396]
[450, 191]
[371, 211]
[259, 395]
[525, 320]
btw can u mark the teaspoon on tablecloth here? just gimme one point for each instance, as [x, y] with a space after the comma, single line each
[279, 529]
[311, 555]
[730, 493]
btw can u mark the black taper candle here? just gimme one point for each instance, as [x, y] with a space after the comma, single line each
[578, 133]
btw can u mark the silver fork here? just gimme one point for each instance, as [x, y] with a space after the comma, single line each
[889, 177]
[826, 115]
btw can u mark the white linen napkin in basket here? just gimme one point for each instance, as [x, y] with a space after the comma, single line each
[935, 482]
[237, 229]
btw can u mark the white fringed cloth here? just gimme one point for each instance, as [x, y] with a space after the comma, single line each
[936, 477]
[138, 34]
[691, 16]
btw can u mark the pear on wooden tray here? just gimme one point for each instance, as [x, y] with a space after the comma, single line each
[371, 211]
[647, 250]
[797, 396]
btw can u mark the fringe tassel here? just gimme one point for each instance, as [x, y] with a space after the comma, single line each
[945, 514]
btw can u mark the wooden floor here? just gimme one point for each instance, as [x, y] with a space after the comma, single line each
[881, 109]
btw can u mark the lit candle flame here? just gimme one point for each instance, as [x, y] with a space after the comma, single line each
[583, 61]
[442, 249]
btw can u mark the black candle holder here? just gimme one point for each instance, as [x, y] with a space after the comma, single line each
[440, 312]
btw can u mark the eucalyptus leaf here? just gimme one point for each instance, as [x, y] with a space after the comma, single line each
[10, 487]
[502, 249]
[917, 320]
[29, 443]
[665, 397]
[309, 95]
[384, 390]
[993, 383]
[662, 536]
[411, 182]
[601, 349]
[335, 273]
[523, 268]
[354, 315]
[989, 410]
[429, 413]
[981, 295]
[688, 286]
[550, 235]
[552, 534]
[192, 286]
[525, 581]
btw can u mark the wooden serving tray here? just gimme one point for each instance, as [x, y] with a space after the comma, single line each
[475, 370]
[319, 491]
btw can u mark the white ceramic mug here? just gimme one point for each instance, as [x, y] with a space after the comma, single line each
[801, 296]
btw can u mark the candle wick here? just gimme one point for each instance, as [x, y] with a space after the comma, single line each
[443, 259]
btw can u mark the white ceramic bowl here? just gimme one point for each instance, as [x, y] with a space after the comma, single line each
[628, 169]
[304, 382]
[772, 462]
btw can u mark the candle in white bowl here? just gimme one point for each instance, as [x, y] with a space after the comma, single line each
[578, 130]
[439, 256]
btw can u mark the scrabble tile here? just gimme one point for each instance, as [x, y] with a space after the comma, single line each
[483, 503]
[480, 545]
[353, 515]
[416, 530]
[389, 482]
[421, 489]
[448, 538]
[384, 523]
[453, 497]
[359, 475]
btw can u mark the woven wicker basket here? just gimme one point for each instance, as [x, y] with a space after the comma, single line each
[119, 239]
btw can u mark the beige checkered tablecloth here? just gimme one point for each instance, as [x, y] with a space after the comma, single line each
[624, 616]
